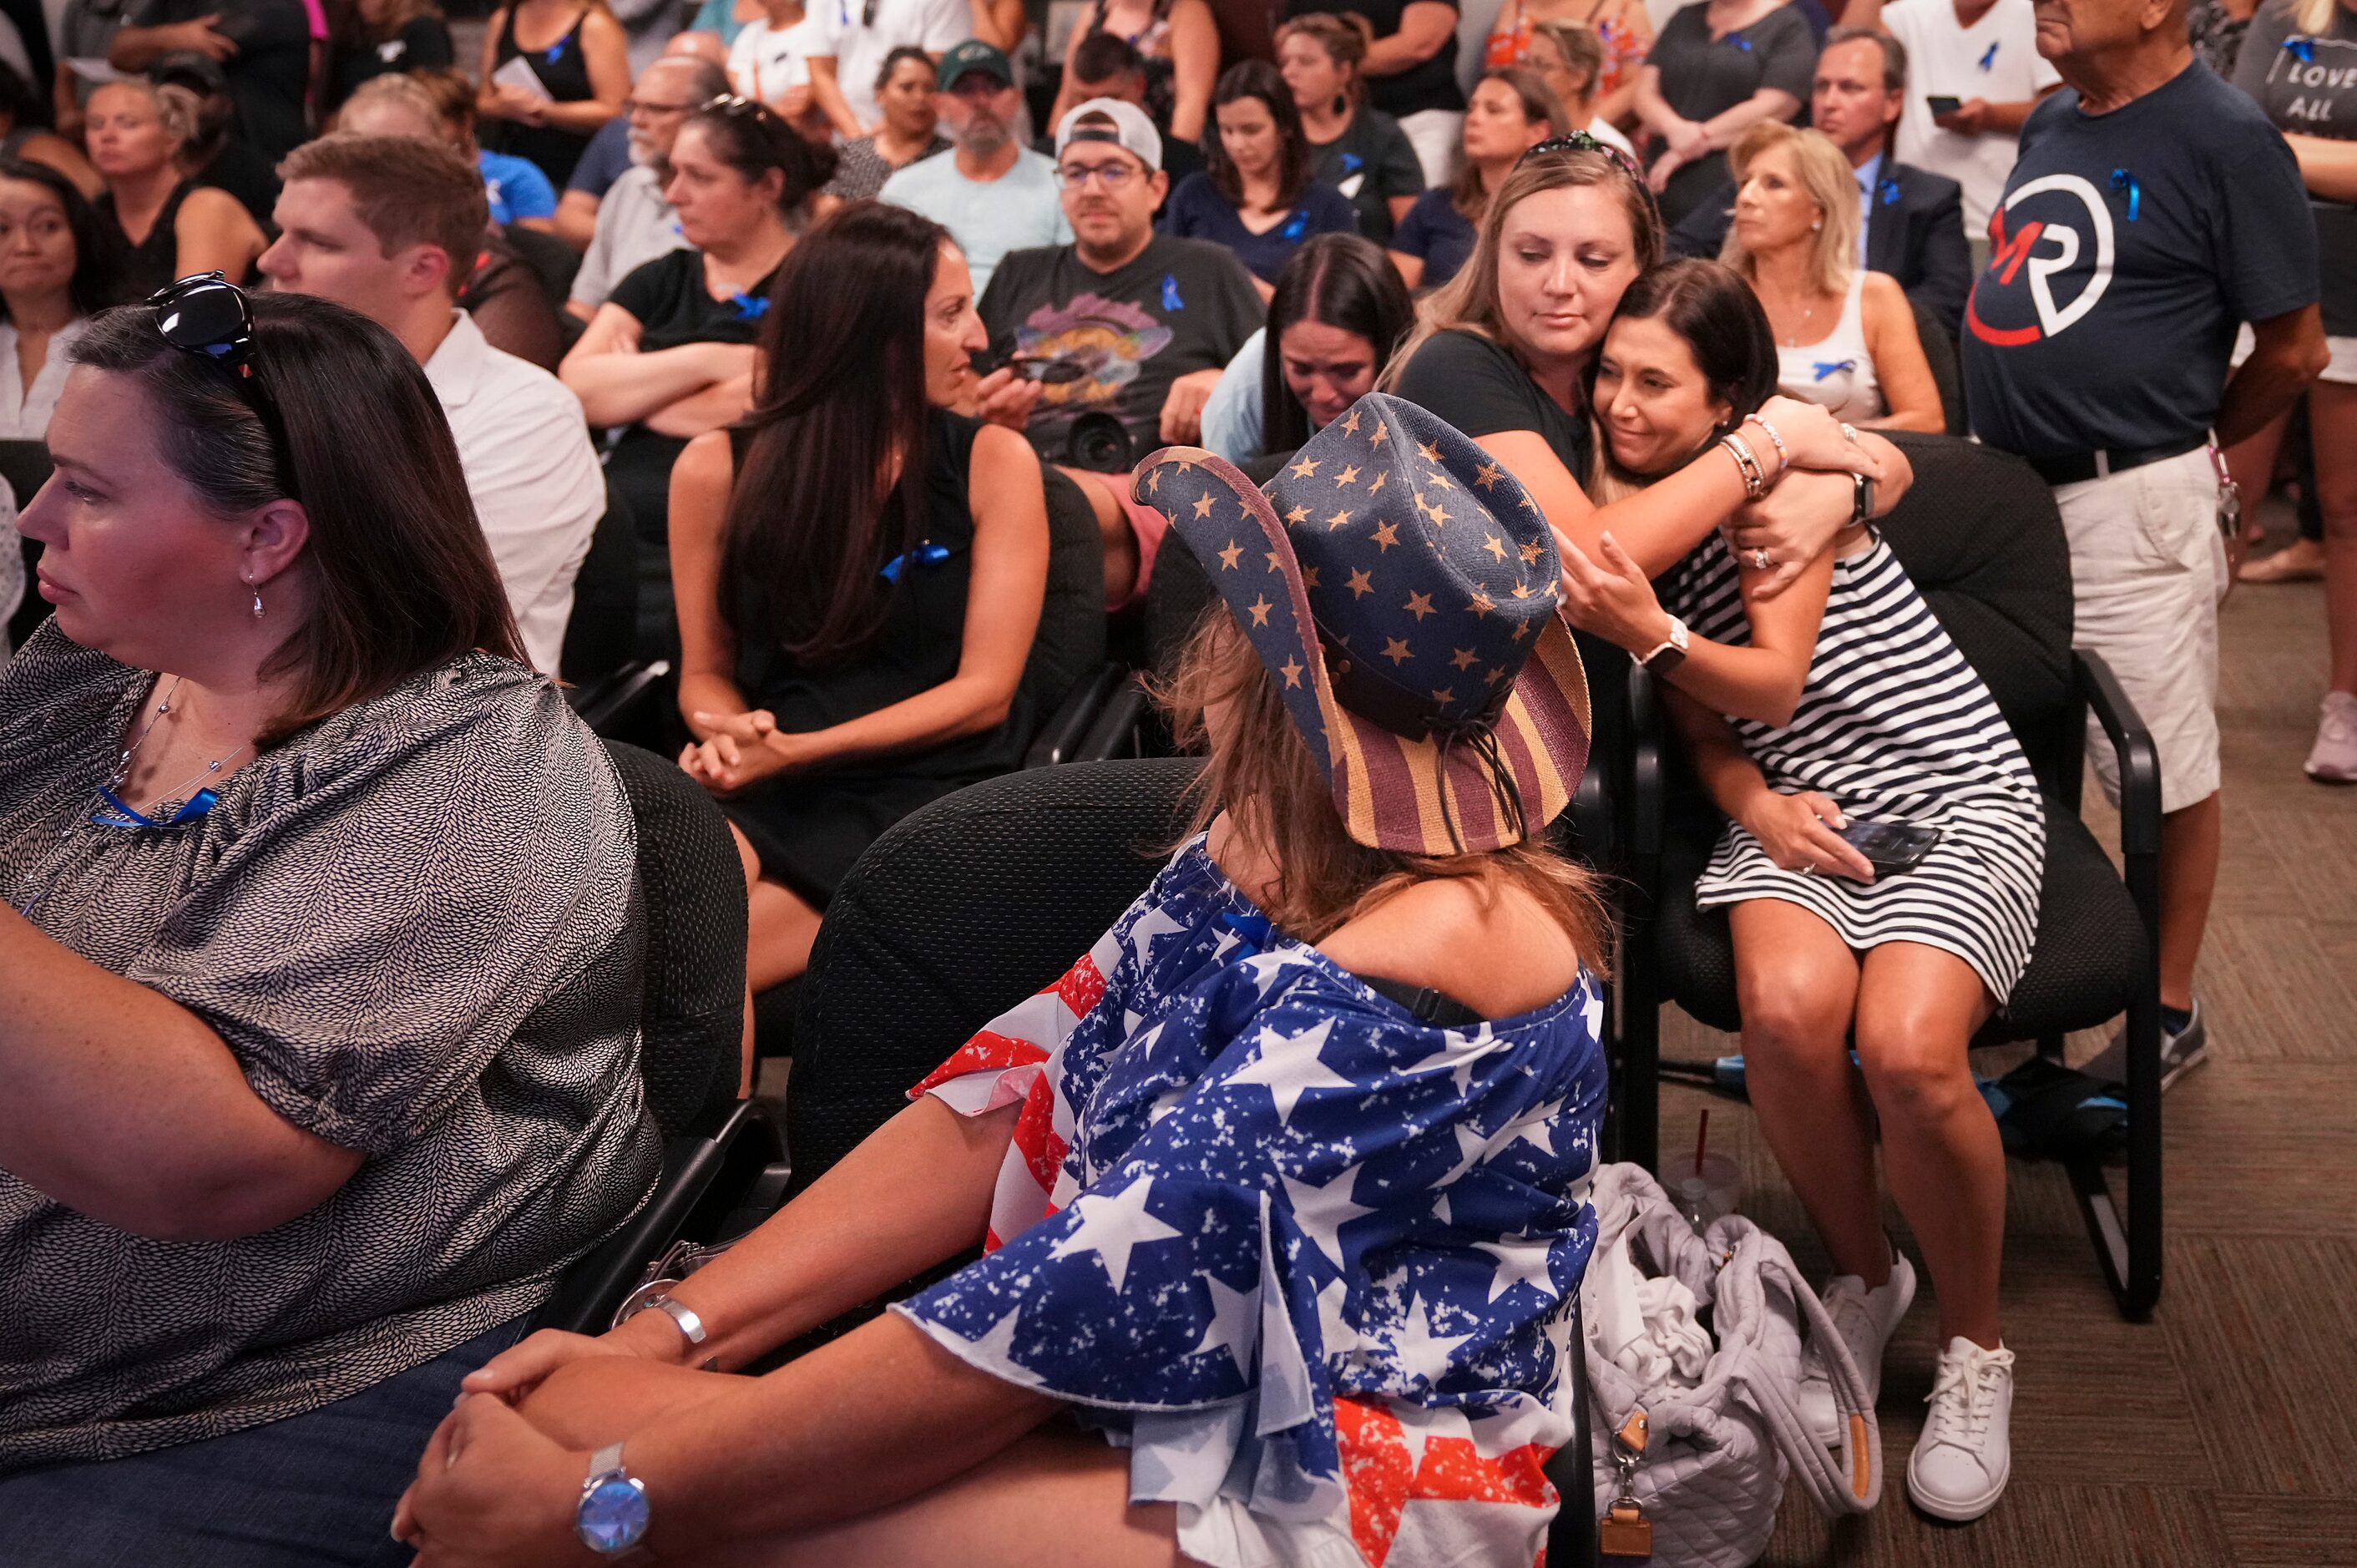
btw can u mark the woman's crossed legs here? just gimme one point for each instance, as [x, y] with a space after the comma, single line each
[1912, 1010]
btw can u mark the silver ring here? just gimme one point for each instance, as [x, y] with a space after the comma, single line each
[1809, 870]
[1759, 560]
[1849, 434]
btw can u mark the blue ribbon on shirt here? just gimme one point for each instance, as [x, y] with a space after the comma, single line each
[926, 555]
[1989, 58]
[1170, 300]
[120, 814]
[556, 52]
[2304, 48]
[1252, 932]
[1296, 226]
[2121, 180]
[748, 307]
[1739, 41]
[1888, 189]
[1352, 163]
[1828, 367]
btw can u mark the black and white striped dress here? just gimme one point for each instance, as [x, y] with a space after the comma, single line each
[1894, 725]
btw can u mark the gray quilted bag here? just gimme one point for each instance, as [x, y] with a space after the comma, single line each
[1705, 1467]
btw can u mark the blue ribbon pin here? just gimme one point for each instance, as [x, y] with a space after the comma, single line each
[1828, 367]
[1888, 189]
[1170, 300]
[1352, 163]
[748, 307]
[925, 555]
[2121, 180]
[1989, 58]
[556, 52]
[1739, 41]
[2304, 48]
[1296, 226]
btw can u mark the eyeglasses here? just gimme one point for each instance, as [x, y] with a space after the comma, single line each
[206, 313]
[1113, 176]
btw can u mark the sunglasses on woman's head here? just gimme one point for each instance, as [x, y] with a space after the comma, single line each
[208, 315]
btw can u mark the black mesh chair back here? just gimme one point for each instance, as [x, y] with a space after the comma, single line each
[1947, 374]
[1176, 597]
[598, 639]
[956, 914]
[692, 1014]
[1069, 645]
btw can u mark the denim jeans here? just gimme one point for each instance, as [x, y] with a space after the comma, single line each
[312, 1489]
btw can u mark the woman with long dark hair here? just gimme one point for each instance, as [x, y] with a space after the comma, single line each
[1842, 701]
[49, 283]
[345, 888]
[1254, 194]
[1339, 311]
[858, 571]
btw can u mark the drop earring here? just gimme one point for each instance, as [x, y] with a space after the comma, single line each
[257, 597]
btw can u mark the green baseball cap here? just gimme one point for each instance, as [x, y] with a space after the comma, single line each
[971, 56]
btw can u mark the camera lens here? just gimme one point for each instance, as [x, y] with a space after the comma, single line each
[1099, 443]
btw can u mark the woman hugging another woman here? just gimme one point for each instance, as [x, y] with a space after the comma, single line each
[1840, 704]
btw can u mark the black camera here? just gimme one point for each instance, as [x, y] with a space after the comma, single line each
[1099, 443]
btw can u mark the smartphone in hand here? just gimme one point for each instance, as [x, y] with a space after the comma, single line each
[1890, 847]
[1942, 106]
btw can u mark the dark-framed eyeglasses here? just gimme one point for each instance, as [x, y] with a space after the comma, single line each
[207, 315]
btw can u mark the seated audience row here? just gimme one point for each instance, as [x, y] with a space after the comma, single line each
[1510, 112]
[634, 222]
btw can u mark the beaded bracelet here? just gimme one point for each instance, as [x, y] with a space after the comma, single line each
[1755, 480]
[1783, 453]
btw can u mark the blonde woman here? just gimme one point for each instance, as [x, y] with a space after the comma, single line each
[152, 224]
[1571, 59]
[1844, 337]
[1621, 27]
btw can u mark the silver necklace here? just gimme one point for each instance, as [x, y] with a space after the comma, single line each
[168, 804]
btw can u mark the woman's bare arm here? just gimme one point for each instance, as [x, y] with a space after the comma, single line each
[1912, 396]
[699, 514]
[620, 385]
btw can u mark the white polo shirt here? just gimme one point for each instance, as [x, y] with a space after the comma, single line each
[525, 444]
[933, 25]
[1997, 60]
[766, 62]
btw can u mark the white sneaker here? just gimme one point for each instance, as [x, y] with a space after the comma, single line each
[1866, 1319]
[2333, 760]
[1961, 1463]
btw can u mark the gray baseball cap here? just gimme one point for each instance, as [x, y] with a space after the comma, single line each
[1131, 129]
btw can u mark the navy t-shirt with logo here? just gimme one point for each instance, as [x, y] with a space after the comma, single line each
[2128, 248]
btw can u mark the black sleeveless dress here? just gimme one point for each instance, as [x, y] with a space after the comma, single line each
[131, 272]
[809, 828]
[566, 73]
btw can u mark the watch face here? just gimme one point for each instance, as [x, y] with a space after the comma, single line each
[613, 1515]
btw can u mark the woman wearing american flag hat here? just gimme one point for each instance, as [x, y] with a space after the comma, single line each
[1282, 1185]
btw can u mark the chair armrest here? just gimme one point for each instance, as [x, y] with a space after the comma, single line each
[1647, 785]
[1115, 734]
[1058, 738]
[2132, 745]
[690, 1188]
[604, 703]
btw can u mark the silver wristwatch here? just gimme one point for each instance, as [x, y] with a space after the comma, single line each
[1670, 653]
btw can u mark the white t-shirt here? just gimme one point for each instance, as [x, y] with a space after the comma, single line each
[1997, 60]
[535, 478]
[764, 62]
[933, 25]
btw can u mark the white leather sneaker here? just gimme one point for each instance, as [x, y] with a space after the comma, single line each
[2333, 760]
[1866, 1319]
[1961, 1463]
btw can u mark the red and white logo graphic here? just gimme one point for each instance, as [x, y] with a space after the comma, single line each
[2044, 248]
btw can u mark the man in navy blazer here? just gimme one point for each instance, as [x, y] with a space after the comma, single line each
[1915, 220]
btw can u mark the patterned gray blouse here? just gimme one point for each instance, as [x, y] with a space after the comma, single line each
[416, 926]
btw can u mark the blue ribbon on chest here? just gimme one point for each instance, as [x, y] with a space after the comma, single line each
[926, 555]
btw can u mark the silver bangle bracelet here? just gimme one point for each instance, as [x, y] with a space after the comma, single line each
[1755, 481]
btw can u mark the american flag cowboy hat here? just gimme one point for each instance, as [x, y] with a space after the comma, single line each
[1402, 587]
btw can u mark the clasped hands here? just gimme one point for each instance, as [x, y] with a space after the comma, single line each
[739, 750]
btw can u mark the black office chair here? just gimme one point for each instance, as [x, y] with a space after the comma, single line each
[614, 692]
[25, 465]
[1980, 536]
[723, 1160]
